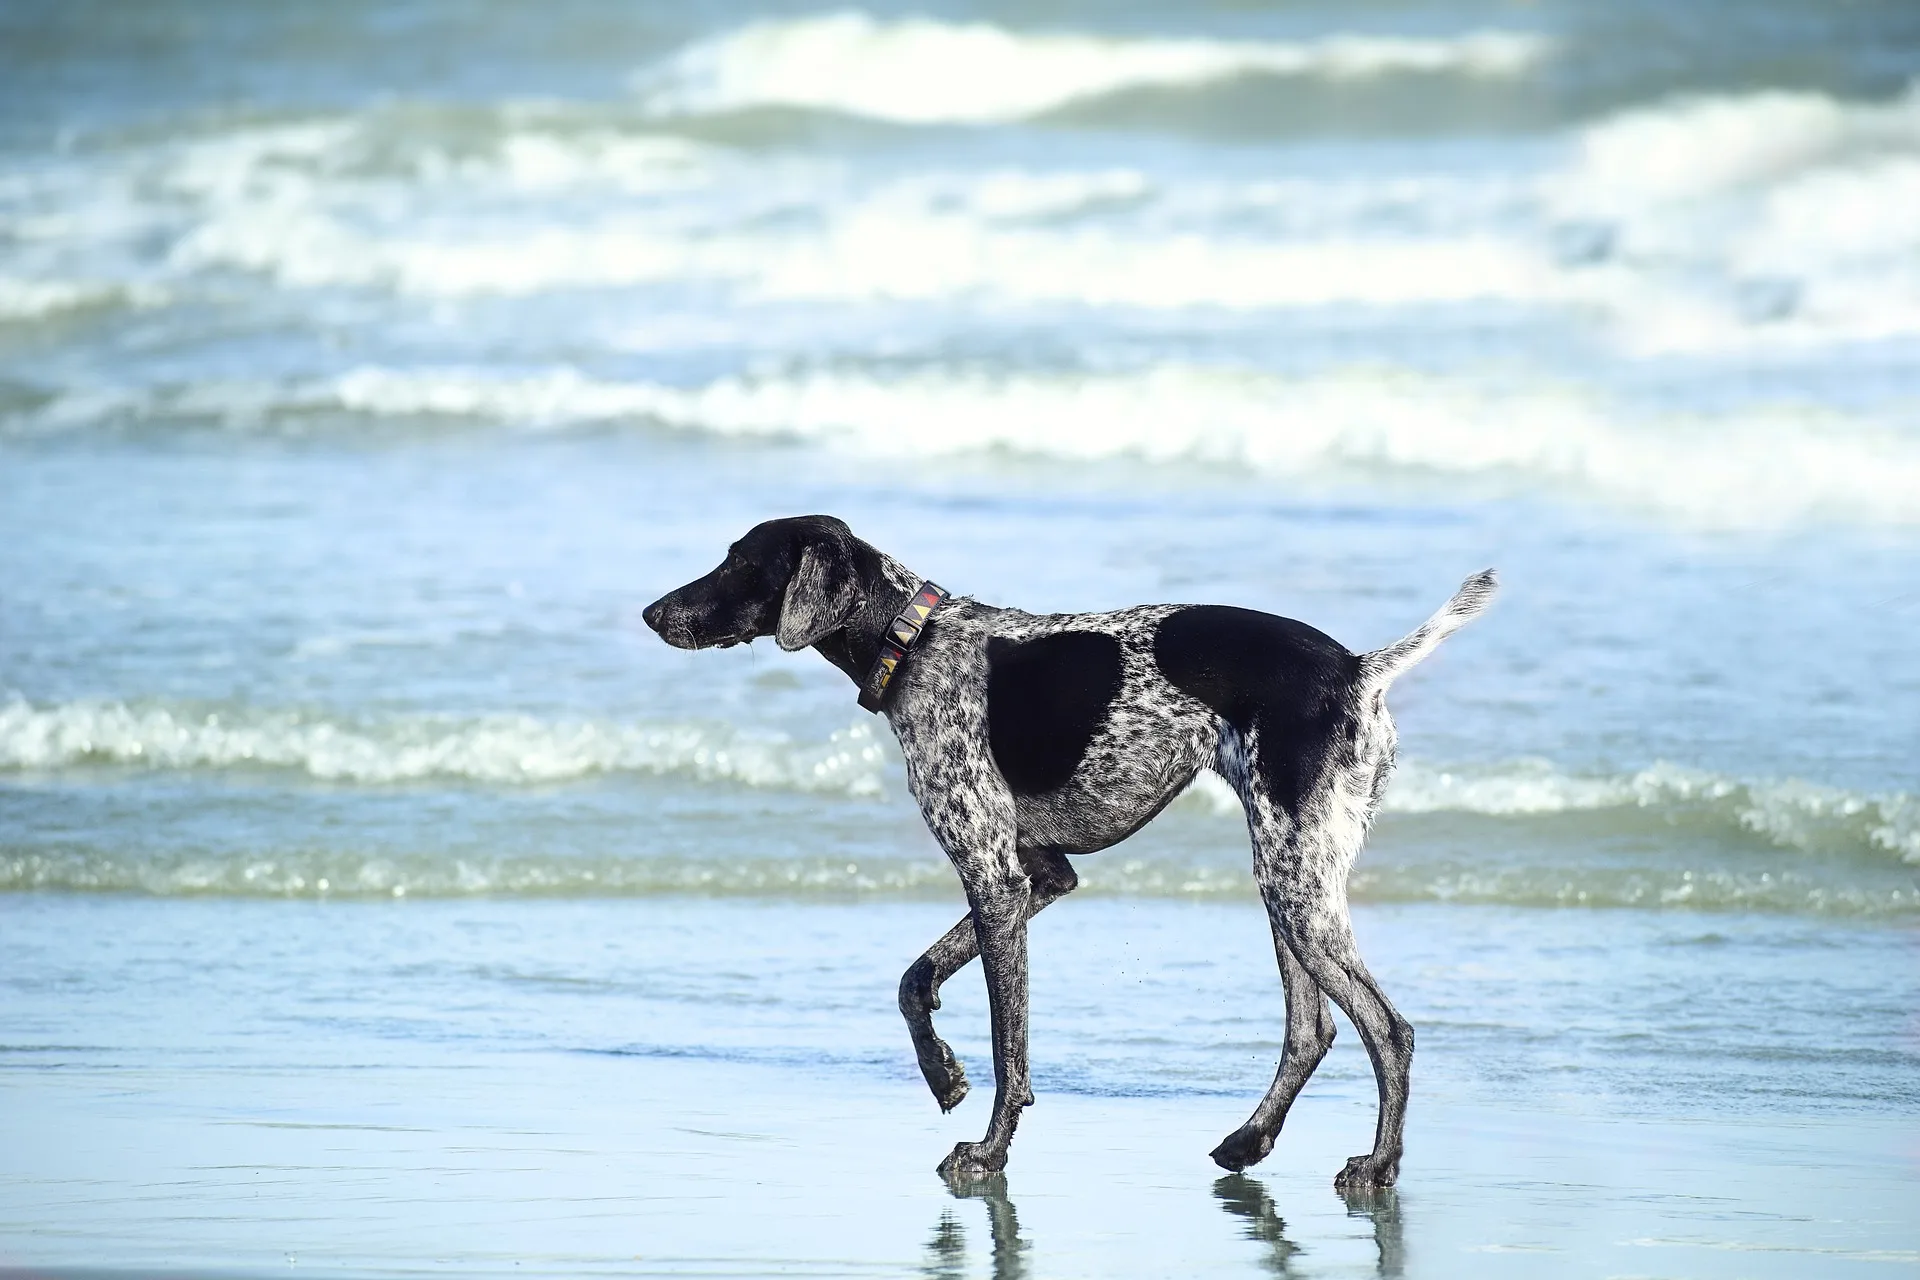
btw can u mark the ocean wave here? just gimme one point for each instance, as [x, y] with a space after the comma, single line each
[519, 750]
[995, 235]
[1713, 888]
[1762, 219]
[497, 749]
[1697, 145]
[24, 299]
[1403, 878]
[1785, 814]
[925, 71]
[1700, 226]
[392, 198]
[1766, 467]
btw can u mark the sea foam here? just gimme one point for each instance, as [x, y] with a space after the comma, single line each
[925, 71]
[1704, 226]
[1766, 219]
[1784, 814]
[1765, 466]
[519, 750]
[1668, 883]
[503, 749]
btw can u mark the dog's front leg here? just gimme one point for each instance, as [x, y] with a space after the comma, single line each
[940, 721]
[1000, 911]
[920, 996]
[1052, 878]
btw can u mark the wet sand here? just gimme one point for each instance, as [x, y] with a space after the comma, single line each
[280, 1132]
[565, 1165]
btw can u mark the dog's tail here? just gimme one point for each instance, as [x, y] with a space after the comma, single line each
[1383, 666]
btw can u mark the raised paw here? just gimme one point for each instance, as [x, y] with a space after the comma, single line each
[972, 1159]
[945, 1076]
[1367, 1173]
[1242, 1148]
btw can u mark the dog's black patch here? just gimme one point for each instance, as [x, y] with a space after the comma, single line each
[1287, 679]
[1045, 700]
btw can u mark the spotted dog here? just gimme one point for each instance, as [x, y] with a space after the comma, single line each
[1029, 737]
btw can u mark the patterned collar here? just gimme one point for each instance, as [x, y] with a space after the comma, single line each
[900, 636]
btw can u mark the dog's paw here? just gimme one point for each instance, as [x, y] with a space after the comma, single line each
[1366, 1173]
[971, 1160]
[945, 1076]
[1244, 1147]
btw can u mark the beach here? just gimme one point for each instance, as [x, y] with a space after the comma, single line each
[378, 896]
[689, 1086]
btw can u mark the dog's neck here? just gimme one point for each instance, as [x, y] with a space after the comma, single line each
[886, 586]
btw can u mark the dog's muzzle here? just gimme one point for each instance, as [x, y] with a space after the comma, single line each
[671, 623]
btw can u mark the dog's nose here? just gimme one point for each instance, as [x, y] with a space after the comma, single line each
[653, 614]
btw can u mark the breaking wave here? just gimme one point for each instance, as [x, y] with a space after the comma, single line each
[924, 71]
[1769, 218]
[1382, 877]
[517, 750]
[1758, 469]
[28, 299]
[498, 749]
[1789, 814]
[308, 208]
[1693, 227]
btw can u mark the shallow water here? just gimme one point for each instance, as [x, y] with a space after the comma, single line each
[694, 1086]
[364, 371]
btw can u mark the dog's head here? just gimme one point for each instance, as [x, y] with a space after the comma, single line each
[793, 579]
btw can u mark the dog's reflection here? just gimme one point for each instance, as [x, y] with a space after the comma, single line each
[1382, 1208]
[1247, 1198]
[947, 1251]
[1239, 1195]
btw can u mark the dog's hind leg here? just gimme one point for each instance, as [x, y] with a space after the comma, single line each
[1052, 878]
[1310, 1034]
[1311, 894]
[1303, 851]
[1310, 1029]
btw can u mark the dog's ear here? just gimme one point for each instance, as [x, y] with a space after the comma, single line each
[820, 595]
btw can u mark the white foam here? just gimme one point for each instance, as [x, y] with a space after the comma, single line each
[1756, 220]
[341, 202]
[514, 750]
[28, 299]
[907, 240]
[503, 749]
[1788, 814]
[922, 71]
[881, 252]
[1759, 468]
[1694, 146]
[1723, 225]
[1658, 882]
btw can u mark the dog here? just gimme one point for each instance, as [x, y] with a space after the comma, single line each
[1030, 737]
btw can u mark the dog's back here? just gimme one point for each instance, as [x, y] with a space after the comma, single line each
[1095, 721]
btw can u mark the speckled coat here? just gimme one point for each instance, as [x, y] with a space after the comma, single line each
[1031, 737]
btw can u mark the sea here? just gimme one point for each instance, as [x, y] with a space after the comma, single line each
[366, 368]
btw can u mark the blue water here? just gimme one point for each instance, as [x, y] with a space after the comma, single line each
[364, 370]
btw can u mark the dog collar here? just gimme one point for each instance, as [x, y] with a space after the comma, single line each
[901, 634]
